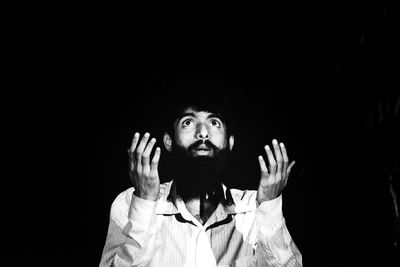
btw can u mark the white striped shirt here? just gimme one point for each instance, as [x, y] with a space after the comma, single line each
[164, 233]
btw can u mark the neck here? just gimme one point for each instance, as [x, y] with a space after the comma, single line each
[202, 207]
[198, 187]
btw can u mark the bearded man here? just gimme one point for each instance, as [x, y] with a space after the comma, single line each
[194, 219]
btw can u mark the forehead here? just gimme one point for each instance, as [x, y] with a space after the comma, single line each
[201, 114]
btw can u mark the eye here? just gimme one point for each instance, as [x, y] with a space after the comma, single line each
[216, 123]
[187, 123]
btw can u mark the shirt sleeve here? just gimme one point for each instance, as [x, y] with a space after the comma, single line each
[275, 245]
[131, 232]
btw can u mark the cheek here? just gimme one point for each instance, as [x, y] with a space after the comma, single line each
[183, 139]
[220, 141]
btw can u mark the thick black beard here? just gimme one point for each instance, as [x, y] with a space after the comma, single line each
[196, 176]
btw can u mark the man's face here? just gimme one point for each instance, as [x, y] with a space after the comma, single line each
[200, 152]
[200, 133]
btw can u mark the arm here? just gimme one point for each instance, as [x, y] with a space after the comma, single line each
[131, 233]
[275, 244]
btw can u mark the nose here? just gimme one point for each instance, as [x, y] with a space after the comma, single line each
[202, 132]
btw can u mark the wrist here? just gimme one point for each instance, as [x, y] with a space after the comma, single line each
[146, 195]
[266, 197]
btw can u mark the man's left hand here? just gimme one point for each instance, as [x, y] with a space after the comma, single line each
[274, 178]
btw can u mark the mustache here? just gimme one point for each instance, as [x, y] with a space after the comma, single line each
[207, 143]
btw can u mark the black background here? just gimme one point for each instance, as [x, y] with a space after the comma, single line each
[83, 76]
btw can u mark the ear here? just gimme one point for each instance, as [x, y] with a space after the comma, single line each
[167, 142]
[231, 142]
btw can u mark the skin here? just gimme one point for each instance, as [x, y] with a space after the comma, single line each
[201, 125]
[142, 172]
[274, 178]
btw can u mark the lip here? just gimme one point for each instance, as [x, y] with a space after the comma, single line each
[202, 152]
[202, 147]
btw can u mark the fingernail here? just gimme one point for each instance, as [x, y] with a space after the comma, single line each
[274, 142]
[267, 147]
[136, 134]
[146, 134]
[152, 140]
[282, 145]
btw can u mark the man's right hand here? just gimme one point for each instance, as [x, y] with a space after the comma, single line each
[143, 173]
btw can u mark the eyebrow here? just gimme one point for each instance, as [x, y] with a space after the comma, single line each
[213, 115]
[186, 114]
[192, 114]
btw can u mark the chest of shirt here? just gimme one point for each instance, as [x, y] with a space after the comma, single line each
[181, 242]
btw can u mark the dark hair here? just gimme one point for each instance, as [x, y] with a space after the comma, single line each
[201, 92]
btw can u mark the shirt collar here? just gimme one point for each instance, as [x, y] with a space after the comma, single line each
[234, 201]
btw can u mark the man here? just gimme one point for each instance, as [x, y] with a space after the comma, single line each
[194, 220]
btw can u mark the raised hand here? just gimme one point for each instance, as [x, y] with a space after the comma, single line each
[274, 178]
[143, 173]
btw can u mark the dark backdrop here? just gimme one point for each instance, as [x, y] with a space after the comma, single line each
[83, 76]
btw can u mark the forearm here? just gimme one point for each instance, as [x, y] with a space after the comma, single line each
[131, 242]
[275, 244]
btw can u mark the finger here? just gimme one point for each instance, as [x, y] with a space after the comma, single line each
[263, 166]
[264, 172]
[131, 164]
[272, 163]
[279, 159]
[140, 148]
[285, 159]
[290, 167]
[146, 155]
[155, 160]
[288, 171]
[134, 143]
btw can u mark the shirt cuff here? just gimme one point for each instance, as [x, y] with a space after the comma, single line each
[141, 210]
[271, 208]
[270, 218]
